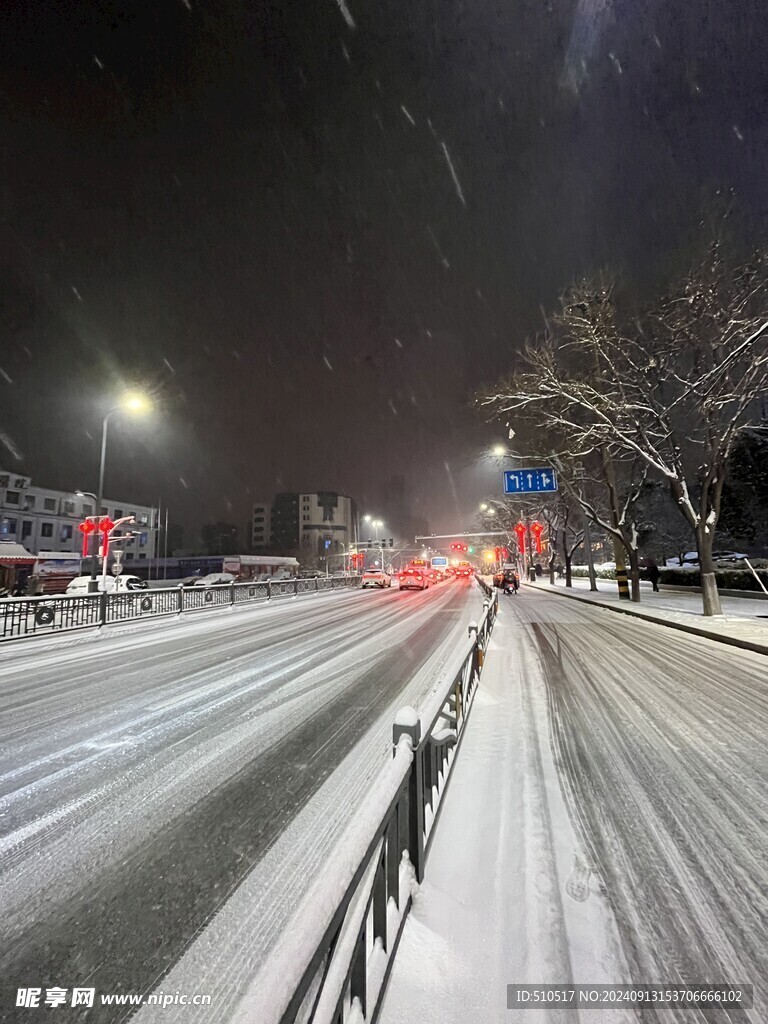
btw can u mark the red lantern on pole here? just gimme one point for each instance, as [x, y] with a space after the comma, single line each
[520, 531]
[536, 531]
[86, 529]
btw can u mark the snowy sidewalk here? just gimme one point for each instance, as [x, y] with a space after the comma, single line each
[744, 620]
[505, 897]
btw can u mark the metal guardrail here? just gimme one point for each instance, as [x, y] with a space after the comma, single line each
[42, 616]
[346, 975]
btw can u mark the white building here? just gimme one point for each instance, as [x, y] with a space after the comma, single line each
[326, 524]
[42, 519]
[315, 525]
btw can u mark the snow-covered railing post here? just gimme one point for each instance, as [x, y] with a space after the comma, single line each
[407, 723]
[269, 588]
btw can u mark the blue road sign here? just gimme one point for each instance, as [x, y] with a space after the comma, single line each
[529, 481]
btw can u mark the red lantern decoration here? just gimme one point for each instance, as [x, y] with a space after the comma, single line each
[520, 531]
[86, 529]
[536, 531]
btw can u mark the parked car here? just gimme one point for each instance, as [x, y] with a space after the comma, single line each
[376, 578]
[111, 585]
[211, 580]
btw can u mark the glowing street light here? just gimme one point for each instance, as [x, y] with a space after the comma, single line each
[134, 402]
[499, 450]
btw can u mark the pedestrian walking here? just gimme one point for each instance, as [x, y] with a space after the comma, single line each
[653, 574]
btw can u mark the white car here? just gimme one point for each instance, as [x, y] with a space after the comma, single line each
[214, 578]
[376, 578]
[114, 585]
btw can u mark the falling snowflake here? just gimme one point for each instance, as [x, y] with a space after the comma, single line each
[346, 13]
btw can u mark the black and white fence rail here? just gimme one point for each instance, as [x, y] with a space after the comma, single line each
[332, 962]
[31, 616]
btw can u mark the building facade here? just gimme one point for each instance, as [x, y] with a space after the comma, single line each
[315, 525]
[42, 519]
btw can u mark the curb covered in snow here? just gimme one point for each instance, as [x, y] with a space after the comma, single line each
[747, 645]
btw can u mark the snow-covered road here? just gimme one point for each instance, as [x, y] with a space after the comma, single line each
[607, 822]
[145, 773]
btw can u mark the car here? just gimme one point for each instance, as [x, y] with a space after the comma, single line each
[214, 579]
[111, 585]
[376, 578]
[413, 579]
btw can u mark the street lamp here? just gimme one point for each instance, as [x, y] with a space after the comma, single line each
[133, 402]
[499, 451]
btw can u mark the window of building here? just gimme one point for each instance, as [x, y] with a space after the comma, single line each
[305, 519]
[4, 480]
[29, 502]
[129, 556]
[143, 539]
[19, 482]
[258, 519]
[143, 519]
[69, 508]
[7, 526]
[46, 530]
[66, 533]
[143, 554]
[118, 513]
[49, 504]
[12, 497]
[26, 528]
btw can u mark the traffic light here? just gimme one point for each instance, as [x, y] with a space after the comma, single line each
[460, 547]
[471, 550]
[391, 542]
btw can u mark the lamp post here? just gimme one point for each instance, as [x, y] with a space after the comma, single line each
[133, 402]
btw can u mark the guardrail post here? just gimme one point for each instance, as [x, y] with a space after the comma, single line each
[317, 585]
[232, 592]
[407, 723]
[269, 588]
[102, 608]
[179, 600]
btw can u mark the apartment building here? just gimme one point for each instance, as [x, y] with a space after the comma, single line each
[42, 519]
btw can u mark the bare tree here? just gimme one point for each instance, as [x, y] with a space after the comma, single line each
[669, 390]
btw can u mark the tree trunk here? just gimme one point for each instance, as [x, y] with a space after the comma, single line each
[552, 556]
[634, 573]
[568, 578]
[705, 539]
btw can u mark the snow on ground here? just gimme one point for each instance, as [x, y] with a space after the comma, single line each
[743, 618]
[495, 906]
[170, 758]
[238, 940]
[606, 821]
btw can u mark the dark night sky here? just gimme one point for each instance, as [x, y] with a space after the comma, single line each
[249, 207]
